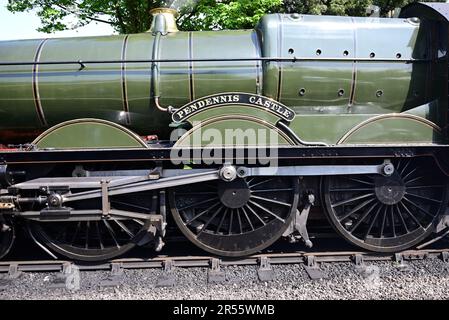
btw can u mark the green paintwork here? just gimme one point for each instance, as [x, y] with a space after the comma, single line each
[326, 112]
[69, 93]
[233, 131]
[330, 128]
[236, 110]
[88, 134]
[389, 131]
[344, 38]
[16, 92]
[215, 77]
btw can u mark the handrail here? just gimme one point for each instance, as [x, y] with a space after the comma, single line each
[84, 63]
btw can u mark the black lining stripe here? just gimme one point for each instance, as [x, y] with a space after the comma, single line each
[123, 76]
[354, 68]
[36, 95]
[192, 89]
[278, 97]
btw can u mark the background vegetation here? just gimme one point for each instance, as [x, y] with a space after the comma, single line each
[131, 16]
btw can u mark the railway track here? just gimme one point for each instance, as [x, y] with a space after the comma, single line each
[67, 271]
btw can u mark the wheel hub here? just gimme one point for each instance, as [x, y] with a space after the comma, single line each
[235, 194]
[389, 190]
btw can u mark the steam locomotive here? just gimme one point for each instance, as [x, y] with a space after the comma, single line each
[234, 137]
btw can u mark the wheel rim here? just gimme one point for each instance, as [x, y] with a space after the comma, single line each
[387, 214]
[238, 218]
[7, 237]
[95, 240]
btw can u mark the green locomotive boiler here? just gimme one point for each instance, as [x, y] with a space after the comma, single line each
[236, 134]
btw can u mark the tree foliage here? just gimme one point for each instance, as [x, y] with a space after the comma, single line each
[132, 16]
[240, 14]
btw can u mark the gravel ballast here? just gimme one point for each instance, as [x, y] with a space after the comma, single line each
[427, 279]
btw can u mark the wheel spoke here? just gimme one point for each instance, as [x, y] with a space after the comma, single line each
[271, 201]
[204, 193]
[426, 187]
[208, 222]
[112, 233]
[249, 181]
[86, 245]
[365, 215]
[196, 204]
[267, 211]
[411, 214]
[419, 208]
[97, 228]
[357, 208]
[351, 190]
[401, 218]
[271, 190]
[222, 219]
[423, 198]
[201, 214]
[139, 222]
[124, 228]
[414, 180]
[260, 183]
[248, 219]
[230, 221]
[360, 181]
[409, 174]
[338, 204]
[372, 222]
[75, 234]
[255, 213]
[405, 168]
[126, 204]
[393, 227]
[384, 219]
[240, 221]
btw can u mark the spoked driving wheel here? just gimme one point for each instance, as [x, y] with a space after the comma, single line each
[91, 240]
[236, 218]
[387, 214]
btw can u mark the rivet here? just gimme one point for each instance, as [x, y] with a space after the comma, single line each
[302, 92]
[379, 93]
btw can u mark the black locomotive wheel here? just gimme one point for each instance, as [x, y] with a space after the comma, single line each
[7, 236]
[88, 240]
[96, 240]
[387, 214]
[236, 218]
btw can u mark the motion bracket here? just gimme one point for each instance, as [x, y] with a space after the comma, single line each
[299, 224]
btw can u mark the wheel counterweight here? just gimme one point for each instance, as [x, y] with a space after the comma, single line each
[235, 218]
[387, 214]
